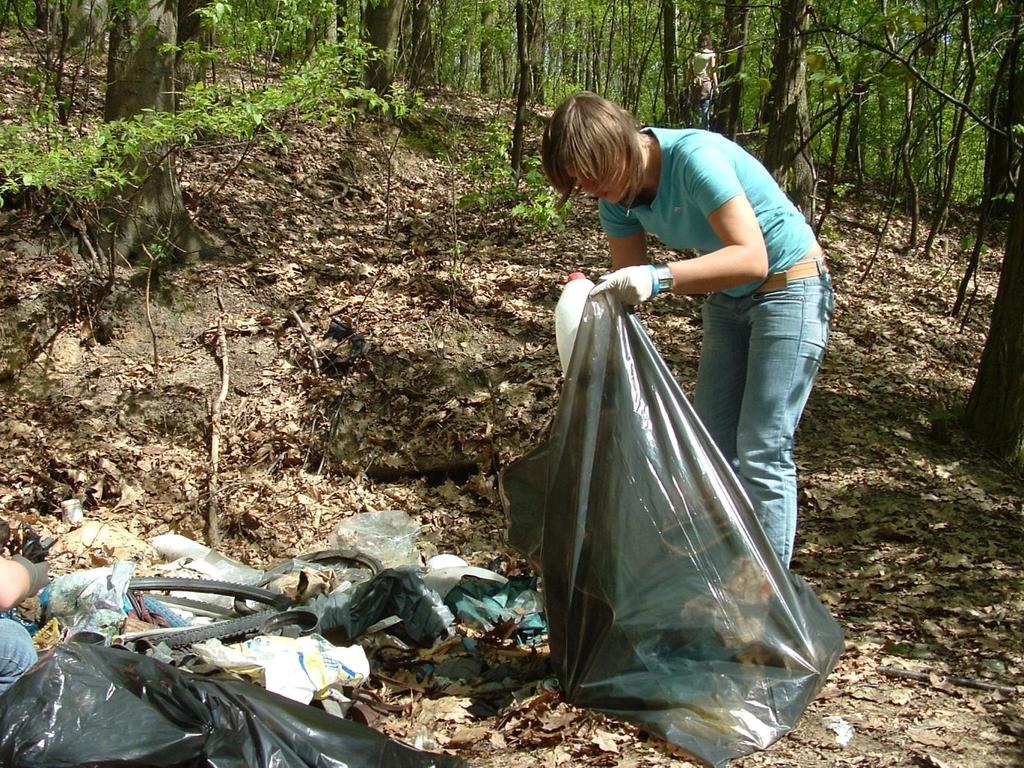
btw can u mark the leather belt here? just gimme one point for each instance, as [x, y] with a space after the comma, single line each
[799, 271]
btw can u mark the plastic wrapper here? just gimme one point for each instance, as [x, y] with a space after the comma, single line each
[666, 605]
[95, 706]
[389, 535]
[91, 601]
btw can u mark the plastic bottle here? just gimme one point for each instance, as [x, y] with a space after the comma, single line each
[568, 313]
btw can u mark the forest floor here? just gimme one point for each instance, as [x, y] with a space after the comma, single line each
[910, 534]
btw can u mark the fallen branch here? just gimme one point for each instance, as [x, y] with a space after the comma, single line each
[430, 469]
[216, 405]
[149, 314]
[874, 230]
[963, 682]
[314, 353]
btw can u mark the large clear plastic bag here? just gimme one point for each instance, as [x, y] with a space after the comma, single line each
[666, 605]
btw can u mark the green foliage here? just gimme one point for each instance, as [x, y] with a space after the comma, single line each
[15, 10]
[491, 163]
[841, 189]
[40, 155]
[249, 30]
[539, 201]
[530, 200]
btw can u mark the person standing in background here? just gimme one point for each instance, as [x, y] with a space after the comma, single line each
[704, 80]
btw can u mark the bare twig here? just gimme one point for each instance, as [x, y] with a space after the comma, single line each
[376, 279]
[149, 314]
[83, 236]
[963, 682]
[314, 353]
[210, 190]
[390, 174]
[456, 250]
[216, 405]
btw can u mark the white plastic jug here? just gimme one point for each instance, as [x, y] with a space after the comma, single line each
[568, 313]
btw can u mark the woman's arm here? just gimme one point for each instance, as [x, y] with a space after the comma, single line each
[628, 251]
[14, 583]
[742, 259]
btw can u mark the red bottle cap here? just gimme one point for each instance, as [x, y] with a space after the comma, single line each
[575, 276]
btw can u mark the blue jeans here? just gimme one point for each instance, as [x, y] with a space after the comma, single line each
[17, 653]
[758, 361]
[704, 107]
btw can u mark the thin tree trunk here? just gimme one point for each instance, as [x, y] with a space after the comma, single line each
[910, 182]
[854, 148]
[833, 166]
[987, 207]
[488, 16]
[519, 128]
[729, 108]
[939, 219]
[535, 34]
[331, 29]
[1006, 109]
[668, 60]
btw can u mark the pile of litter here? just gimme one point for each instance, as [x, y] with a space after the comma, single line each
[208, 648]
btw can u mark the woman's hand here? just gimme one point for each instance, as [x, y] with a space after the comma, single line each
[632, 285]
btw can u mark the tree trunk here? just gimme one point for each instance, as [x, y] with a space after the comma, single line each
[1009, 111]
[187, 70]
[488, 19]
[728, 110]
[939, 219]
[382, 24]
[421, 63]
[909, 181]
[788, 153]
[854, 146]
[331, 29]
[140, 77]
[535, 34]
[519, 127]
[995, 410]
[668, 60]
[87, 21]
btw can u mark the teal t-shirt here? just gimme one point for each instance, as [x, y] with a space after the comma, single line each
[700, 170]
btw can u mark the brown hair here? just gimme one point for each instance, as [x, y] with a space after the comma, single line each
[590, 137]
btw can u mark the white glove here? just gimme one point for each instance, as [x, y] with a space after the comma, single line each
[631, 284]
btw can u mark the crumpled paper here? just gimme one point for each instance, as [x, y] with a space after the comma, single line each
[296, 667]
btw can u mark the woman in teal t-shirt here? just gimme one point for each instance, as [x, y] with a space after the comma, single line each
[770, 298]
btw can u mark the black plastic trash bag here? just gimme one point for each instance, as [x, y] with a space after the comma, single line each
[86, 705]
[666, 605]
[394, 592]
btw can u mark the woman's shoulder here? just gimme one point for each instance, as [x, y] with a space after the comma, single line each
[691, 144]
